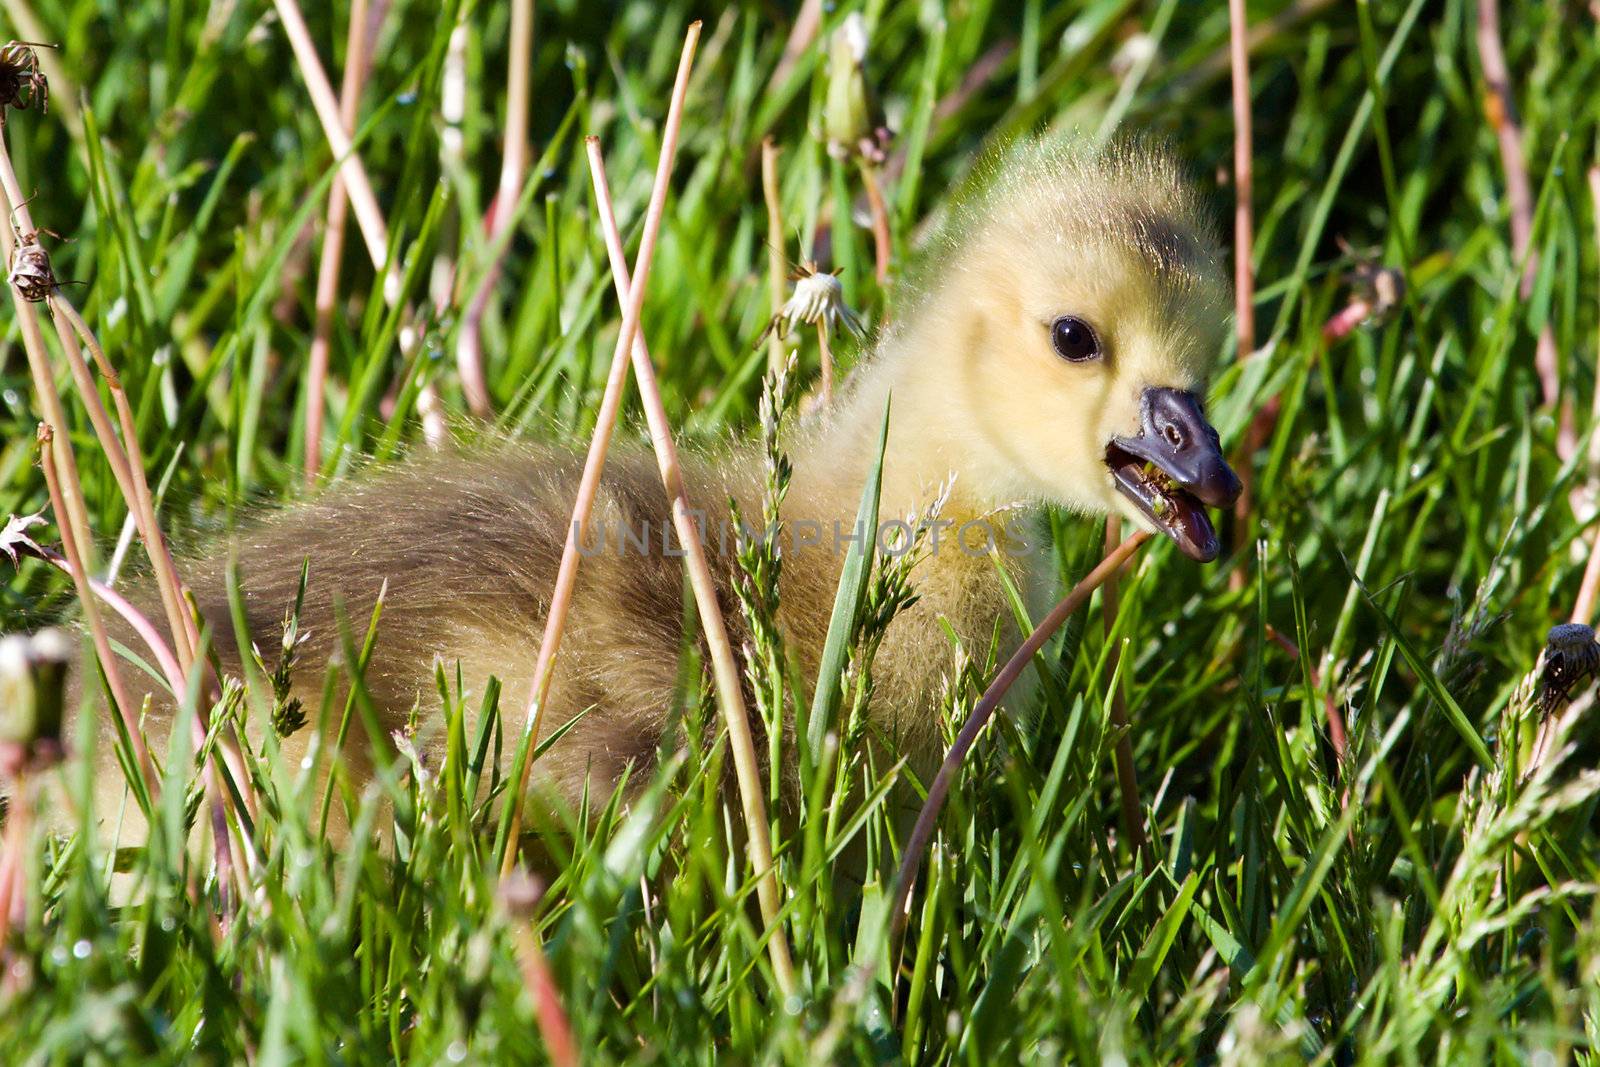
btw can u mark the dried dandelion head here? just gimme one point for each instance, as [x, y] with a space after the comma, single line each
[31, 274]
[14, 540]
[817, 300]
[1571, 655]
[22, 85]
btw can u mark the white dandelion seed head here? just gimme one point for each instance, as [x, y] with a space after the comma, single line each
[818, 299]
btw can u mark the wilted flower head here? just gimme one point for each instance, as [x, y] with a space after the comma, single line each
[21, 83]
[817, 300]
[1571, 654]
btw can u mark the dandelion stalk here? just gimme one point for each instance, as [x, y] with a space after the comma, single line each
[358, 187]
[1244, 297]
[513, 168]
[519, 896]
[878, 211]
[1501, 110]
[725, 668]
[1127, 775]
[1583, 608]
[136, 620]
[826, 354]
[599, 444]
[61, 467]
[333, 235]
[123, 703]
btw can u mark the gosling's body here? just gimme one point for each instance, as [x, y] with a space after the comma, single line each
[1076, 288]
[465, 546]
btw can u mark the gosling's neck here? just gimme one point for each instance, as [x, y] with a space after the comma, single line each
[915, 372]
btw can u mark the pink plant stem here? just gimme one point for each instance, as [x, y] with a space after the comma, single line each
[357, 185]
[1501, 109]
[1243, 246]
[881, 244]
[136, 620]
[1243, 181]
[599, 444]
[124, 705]
[928, 817]
[355, 70]
[513, 168]
[135, 485]
[1344, 321]
[13, 855]
[801, 34]
[369, 216]
[554, 1026]
[1127, 774]
[725, 667]
[1583, 609]
[1337, 735]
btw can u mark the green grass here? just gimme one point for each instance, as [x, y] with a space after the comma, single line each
[1413, 536]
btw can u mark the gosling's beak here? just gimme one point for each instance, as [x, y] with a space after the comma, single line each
[1173, 467]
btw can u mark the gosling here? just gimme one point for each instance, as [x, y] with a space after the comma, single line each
[1055, 353]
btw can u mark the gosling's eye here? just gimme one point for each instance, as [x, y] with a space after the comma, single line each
[1074, 339]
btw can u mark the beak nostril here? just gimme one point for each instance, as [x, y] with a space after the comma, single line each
[1173, 435]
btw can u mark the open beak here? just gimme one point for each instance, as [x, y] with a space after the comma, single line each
[1173, 468]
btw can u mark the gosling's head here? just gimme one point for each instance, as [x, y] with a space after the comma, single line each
[1073, 316]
